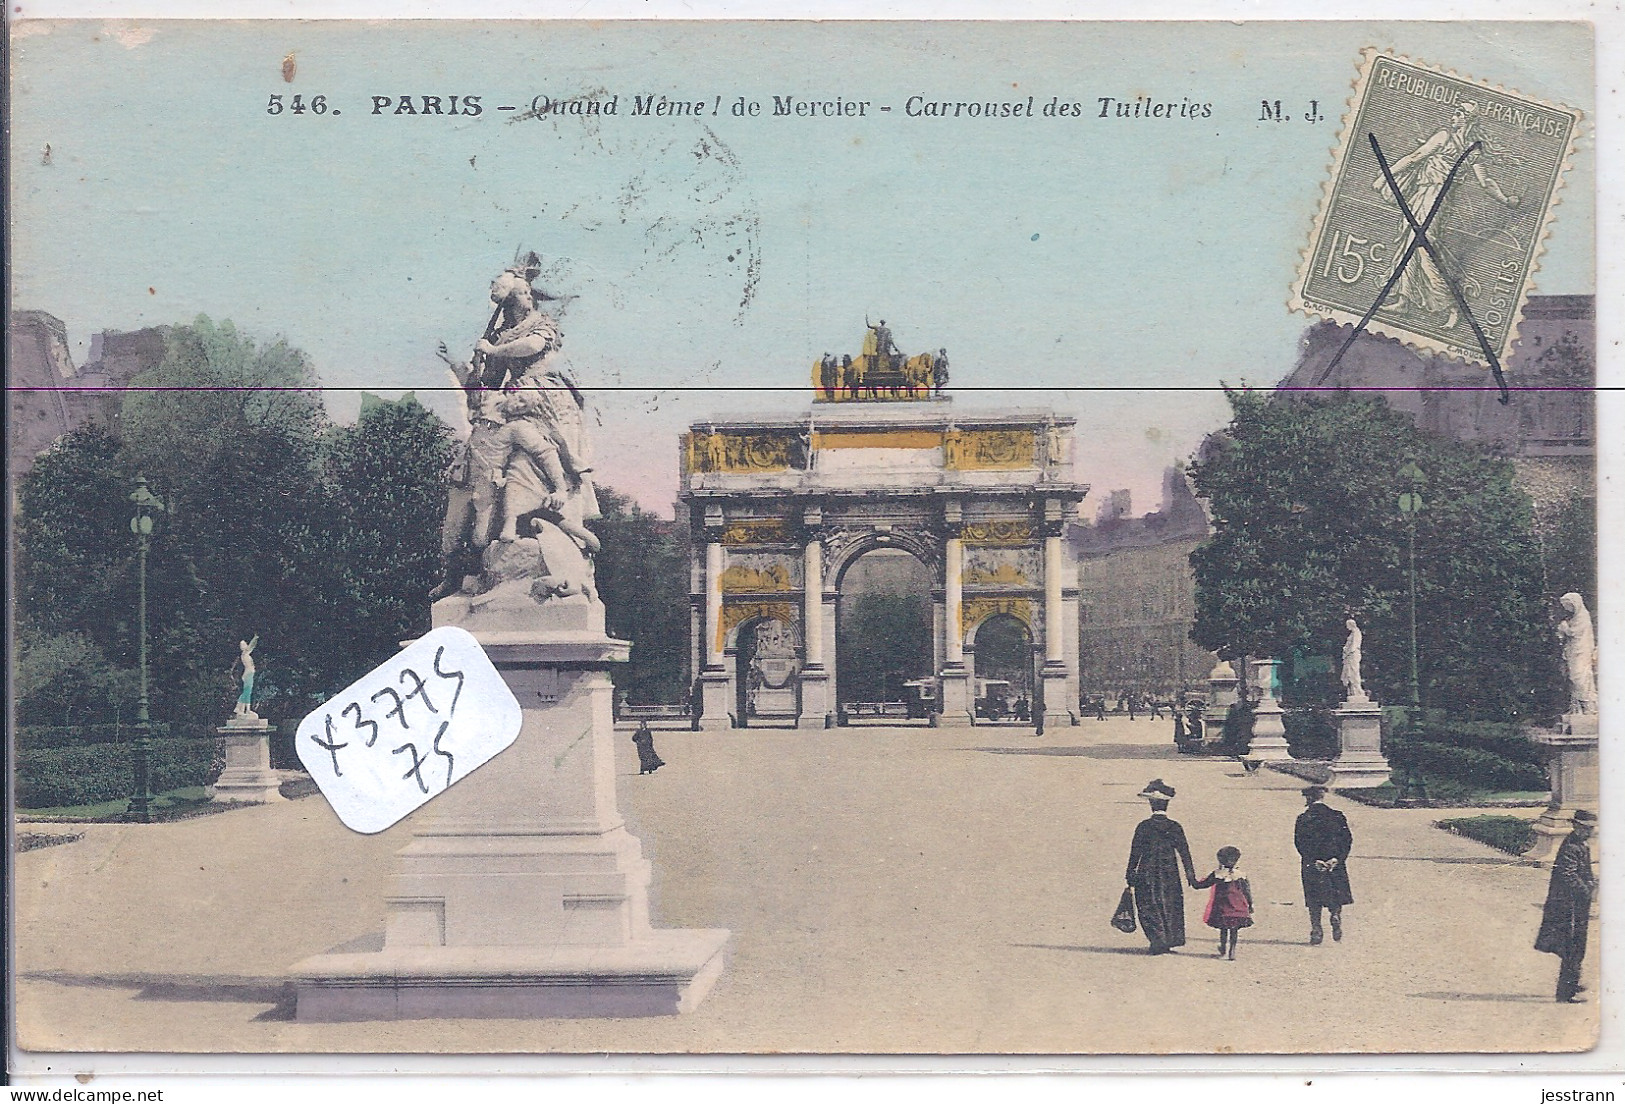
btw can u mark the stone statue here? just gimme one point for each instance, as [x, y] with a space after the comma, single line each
[527, 472]
[1579, 654]
[245, 699]
[1354, 689]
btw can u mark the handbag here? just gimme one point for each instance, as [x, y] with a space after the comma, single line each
[1123, 918]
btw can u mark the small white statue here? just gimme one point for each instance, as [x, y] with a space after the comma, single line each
[1579, 654]
[245, 699]
[1354, 688]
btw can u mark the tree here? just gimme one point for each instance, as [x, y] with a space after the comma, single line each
[377, 549]
[323, 542]
[887, 641]
[1307, 533]
[642, 574]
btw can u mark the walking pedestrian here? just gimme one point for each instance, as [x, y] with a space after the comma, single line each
[1323, 841]
[1154, 859]
[1230, 905]
[644, 741]
[1566, 921]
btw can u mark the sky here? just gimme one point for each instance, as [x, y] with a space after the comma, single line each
[1116, 270]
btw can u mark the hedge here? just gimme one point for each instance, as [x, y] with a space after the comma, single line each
[1514, 835]
[33, 737]
[52, 777]
[1312, 734]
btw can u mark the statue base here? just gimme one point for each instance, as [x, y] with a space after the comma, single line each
[1360, 764]
[247, 778]
[1268, 744]
[716, 691]
[522, 895]
[1572, 767]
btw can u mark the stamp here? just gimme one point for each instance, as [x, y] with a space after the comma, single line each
[1433, 221]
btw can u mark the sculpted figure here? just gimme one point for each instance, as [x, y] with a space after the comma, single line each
[534, 475]
[245, 650]
[1354, 689]
[1421, 176]
[1579, 654]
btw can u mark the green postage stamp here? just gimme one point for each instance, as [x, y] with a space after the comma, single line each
[1477, 168]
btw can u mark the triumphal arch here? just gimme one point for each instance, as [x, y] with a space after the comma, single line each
[783, 506]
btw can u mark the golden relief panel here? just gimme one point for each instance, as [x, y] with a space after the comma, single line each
[1003, 574]
[747, 531]
[989, 449]
[721, 451]
[759, 577]
[973, 611]
[735, 614]
[998, 532]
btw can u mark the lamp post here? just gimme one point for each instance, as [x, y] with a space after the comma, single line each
[1413, 791]
[146, 504]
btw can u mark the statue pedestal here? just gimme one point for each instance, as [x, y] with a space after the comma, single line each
[522, 895]
[1221, 695]
[1268, 744]
[957, 706]
[1360, 764]
[1573, 771]
[247, 778]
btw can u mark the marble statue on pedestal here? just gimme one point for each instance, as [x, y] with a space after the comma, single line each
[1579, 654]
[1354, 689]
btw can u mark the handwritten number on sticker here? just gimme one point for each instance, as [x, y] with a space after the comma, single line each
[419, 690]
[438, 750]
[399, 712]
[415, 771]
[332, 745]
[362, 721]
[458, 675]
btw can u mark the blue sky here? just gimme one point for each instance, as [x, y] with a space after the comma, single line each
[1090, 259]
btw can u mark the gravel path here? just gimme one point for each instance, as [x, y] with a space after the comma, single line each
[889, 889]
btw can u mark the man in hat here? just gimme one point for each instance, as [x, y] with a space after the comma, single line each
[1567, 917]
[1324, 841]
[1154, 859]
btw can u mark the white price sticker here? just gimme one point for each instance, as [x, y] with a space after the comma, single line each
[406, 732]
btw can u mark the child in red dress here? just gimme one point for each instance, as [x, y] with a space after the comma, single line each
[1230, 907]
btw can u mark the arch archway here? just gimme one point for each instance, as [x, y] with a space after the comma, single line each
[766, 654]
[1003, 664]
[884, 632]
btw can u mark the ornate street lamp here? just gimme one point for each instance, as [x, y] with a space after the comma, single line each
[146, 505]
[1413, 791]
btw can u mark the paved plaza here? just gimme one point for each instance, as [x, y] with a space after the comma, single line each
[889, 889]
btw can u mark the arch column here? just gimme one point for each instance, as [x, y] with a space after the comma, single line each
[815, 705]
[715, 683]
[956, 698]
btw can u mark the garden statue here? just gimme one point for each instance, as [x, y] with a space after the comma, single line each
[245, 699]
[1353, 687]
[1579, 654]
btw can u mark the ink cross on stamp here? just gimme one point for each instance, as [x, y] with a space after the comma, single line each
[1432, 224]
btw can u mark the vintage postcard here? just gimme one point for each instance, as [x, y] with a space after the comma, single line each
[892, 538]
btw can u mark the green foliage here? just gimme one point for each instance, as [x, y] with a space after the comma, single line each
[65, 679]
[324, 542]
[1571, 549]
[102, 772]
[886, 641]
[642, 574]
[1311, 734]
[1307, 532]
[1511, 834]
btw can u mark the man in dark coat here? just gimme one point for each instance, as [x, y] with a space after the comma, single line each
[1154, 858]
[1567, 919]
[1324, 842]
